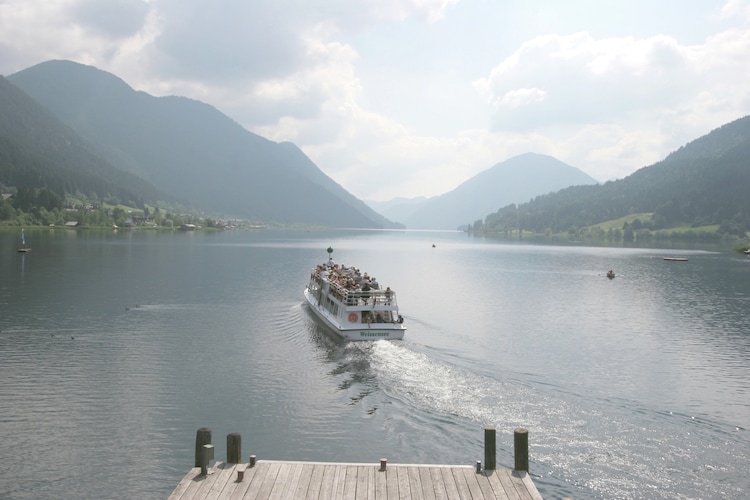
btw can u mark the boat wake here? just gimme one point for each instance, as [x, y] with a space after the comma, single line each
[566, 449]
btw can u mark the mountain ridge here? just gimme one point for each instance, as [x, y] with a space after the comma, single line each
[189, 149]
[702, 183]
[514, 180]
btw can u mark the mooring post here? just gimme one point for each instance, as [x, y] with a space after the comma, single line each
[478, 467]
[489, 448]
[521, 448]
[203, 436]
[234, 448]
[383, 463]
[207, 454]
[251, 460]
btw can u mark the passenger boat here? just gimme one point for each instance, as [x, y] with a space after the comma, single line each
[352, 304]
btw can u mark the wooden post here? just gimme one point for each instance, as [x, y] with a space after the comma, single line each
[203, 436]
[383, 463]
[489, 448]
[521, 448]
[234, 445]
[207, 454]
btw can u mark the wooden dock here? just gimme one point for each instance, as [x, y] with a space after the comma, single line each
[269, 479]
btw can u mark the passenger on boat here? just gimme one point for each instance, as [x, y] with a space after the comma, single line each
[365, 291]
[388, 295]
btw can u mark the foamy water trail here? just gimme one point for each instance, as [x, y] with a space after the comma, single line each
[564, 439]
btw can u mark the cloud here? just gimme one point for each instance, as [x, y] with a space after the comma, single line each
[557, 80]
[114, 18]
[397, 98]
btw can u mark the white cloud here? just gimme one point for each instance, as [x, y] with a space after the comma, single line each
[340, 78]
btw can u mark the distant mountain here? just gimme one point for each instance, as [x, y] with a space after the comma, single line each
[38, 151]
[192, 151]
[397, 209]
[703, 183]
[515, 180]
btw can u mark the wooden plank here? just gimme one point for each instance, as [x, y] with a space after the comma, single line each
[415, 484]
[449, 481]
[313, 479]
[484, 484]
[232, 483]
[523, 477]
[251, 476]
[404, 491]
[461, 485]
[509, 485]
[263, 471]
[290, 488]
[194, 486]
[303, 484]
[269, 480]
[425, 479]
[326, 483]
[381, 484]
[471, 482]
[501, 492]
[338, 482]
[369, 472]
[350, 483]
[224, 474]
[184, 484]
[282, 478]
[205, 483]
[391, 483]
[438, 484]
[362, 484]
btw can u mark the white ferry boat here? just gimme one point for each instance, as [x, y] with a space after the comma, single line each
[353, 305]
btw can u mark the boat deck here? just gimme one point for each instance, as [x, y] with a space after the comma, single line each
[269, 479]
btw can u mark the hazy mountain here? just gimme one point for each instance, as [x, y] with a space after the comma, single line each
[703, 183]
[515, 180]
[38, 151]
[397, 209]
[192, 151]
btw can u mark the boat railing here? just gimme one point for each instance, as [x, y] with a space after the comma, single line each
[374, 296]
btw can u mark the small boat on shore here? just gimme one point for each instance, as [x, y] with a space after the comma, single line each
[676, 259]
[352, 304]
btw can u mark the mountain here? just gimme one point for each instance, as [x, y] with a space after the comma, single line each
[703, 183]
[398, 208]
[515, 180]
[38, 151]
[192, 151]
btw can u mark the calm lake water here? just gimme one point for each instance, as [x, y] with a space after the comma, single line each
[115, 347]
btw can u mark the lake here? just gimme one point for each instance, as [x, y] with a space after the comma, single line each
[115, 347]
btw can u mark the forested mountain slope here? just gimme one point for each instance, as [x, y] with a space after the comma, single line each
[704, 182]
[192, 151]
[38, 151]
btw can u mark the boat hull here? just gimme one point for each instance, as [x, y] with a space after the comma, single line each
[354, 332]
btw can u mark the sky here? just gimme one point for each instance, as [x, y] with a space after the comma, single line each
[407, 98]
